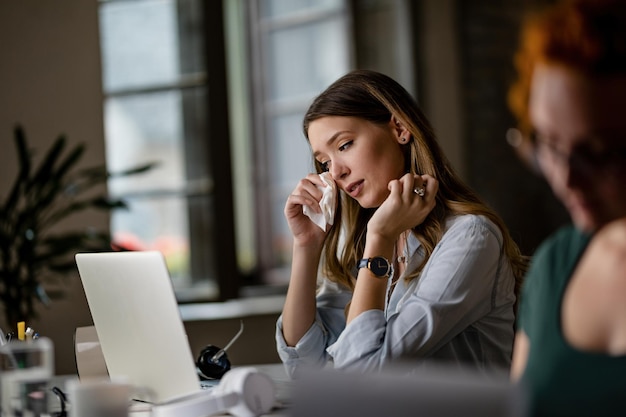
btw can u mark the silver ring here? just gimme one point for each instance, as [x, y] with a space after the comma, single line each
[419, 191]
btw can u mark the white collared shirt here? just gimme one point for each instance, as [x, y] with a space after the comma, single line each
[460, 310]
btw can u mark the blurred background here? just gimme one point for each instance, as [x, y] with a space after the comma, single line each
[215, 91]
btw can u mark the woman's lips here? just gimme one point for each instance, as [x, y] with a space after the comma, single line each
[355, 188]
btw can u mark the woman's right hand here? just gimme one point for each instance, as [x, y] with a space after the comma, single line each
[306, 193]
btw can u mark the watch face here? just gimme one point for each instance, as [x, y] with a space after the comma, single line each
[379, 266]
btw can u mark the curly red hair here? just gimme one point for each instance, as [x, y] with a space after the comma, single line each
[586, 36]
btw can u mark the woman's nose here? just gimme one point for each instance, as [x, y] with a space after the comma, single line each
[338, 170]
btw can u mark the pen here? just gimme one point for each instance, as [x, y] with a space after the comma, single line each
[3, 341]
[21, 330]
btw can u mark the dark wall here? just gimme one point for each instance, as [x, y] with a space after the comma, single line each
[488, 36]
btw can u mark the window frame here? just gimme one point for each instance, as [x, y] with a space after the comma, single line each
[260, 28]
[221, 239]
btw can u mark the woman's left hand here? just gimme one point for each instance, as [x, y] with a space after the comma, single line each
[411, 198]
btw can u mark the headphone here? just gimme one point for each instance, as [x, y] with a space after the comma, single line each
[242, 392]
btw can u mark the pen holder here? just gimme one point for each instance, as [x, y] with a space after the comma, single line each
[25, 371]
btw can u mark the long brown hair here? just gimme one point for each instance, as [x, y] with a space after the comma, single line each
[377, 98]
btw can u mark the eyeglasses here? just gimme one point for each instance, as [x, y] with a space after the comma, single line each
[584, 160]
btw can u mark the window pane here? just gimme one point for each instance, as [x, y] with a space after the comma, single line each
[279, 8]
[290, 160]
[305, 46]
[140, 43]
[143, 128]
[165, 127]
[304, 60]
[156, 224]
[156, 110]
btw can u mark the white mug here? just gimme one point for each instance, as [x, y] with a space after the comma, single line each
[98, 398]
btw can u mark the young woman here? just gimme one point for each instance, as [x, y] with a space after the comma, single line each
[415, 266]
[570, 350]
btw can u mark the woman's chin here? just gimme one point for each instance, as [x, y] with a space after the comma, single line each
[368, 204]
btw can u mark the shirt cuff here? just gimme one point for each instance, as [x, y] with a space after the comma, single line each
[309, 351]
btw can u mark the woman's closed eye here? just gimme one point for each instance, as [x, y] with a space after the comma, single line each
[325, 165]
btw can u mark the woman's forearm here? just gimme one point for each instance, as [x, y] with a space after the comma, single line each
[300, 309]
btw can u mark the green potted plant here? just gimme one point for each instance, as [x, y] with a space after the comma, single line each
[32, 253]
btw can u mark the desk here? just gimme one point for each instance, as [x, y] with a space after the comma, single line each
[275, 371]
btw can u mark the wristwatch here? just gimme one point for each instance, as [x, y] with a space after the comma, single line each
[379, 266]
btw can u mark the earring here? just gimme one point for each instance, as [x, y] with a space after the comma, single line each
[403, 139]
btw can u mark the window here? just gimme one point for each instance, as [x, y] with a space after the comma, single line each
[157, 106]
[174, 96]
[301, 47]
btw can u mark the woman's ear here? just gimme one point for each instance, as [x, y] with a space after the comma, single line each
[403, 136]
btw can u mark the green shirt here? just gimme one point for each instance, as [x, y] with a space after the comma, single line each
[561, 380]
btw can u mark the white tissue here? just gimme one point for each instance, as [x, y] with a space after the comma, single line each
[327, 203]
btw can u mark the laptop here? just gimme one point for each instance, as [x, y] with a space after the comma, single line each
[138, 324]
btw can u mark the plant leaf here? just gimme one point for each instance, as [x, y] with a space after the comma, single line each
[49, 190]
[88, 177]
[40, 197]
[23, 156]
[99, 202]
[59, 246]
[44, 174]
[135, 170]
[42, 295]
[70, 161]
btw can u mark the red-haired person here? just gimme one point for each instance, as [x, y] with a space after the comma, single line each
[570, 101]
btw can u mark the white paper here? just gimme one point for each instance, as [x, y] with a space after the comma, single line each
[327, 203]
